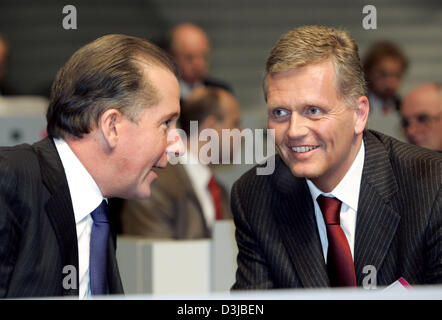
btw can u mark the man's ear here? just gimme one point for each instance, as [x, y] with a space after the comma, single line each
[361, 114]
[109, 127]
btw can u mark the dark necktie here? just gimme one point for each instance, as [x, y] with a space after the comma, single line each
[98, 250]
[340, 266]
[215, 191]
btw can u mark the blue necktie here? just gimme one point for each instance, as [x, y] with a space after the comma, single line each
[98, 250]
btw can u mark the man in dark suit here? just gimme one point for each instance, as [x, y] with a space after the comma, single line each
[190, 47]
[184, 204]
[111, 119]
[345, 206]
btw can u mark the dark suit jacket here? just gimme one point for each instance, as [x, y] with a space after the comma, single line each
[211, 82]
[398, 227]
[37, 225]
[172, 211]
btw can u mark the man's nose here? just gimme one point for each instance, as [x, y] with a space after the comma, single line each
[393, 83]
[175, 146]
[297, 126]
[413, 130]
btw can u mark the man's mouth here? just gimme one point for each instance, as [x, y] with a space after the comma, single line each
[304, 149]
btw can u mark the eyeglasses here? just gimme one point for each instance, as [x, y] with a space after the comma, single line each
[421, 119]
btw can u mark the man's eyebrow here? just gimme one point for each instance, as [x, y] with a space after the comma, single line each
[171, 115]
[320, 104]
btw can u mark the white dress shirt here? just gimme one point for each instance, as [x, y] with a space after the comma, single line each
[86, 197]
[347, 191]
[200, 175]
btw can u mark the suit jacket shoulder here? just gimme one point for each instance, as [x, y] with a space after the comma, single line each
[20, 178]
[410, 173]
[36, 214]
[29, 247]
[211, 82]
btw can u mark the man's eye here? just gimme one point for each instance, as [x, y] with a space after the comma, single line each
[279, 113]
[314, 111]
[167, 122]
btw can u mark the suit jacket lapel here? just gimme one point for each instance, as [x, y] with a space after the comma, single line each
[294, 211]
[376, 220]
[59, 205]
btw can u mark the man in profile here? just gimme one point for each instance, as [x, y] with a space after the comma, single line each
[111, 120]
[421, 113]
[187, 199]
[190, 47]
[341, 197]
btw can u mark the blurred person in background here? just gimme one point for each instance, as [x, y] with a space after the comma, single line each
[421, 116]
[190, 47]
[4, 56]
[384, 68]
[186, 199]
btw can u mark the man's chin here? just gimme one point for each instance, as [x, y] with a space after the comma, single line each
[304, 172]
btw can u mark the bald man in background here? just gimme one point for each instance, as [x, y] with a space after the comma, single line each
[421, 116]
[190, 47]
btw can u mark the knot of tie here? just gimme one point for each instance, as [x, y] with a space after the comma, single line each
[100, 214]
[331, 209]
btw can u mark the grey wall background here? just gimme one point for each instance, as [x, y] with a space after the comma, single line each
[242, 34]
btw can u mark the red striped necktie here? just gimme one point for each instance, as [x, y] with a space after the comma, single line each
[340, 266]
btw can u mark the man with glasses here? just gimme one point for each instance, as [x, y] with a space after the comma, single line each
[421, 116]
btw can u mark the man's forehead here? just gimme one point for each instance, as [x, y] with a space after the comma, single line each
[423, 99]
[316, 89]
[188, 38]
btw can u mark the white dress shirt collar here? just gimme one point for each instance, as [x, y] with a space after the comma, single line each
[199, 175]
[347, 190]
[186, 88]
[85, 194]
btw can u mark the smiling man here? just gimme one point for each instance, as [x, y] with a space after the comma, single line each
[341, 197]
[111, 120]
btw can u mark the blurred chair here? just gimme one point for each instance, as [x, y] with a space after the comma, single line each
[22, 119]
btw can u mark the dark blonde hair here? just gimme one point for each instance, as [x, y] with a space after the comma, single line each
[314, 44]
[106, 73]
